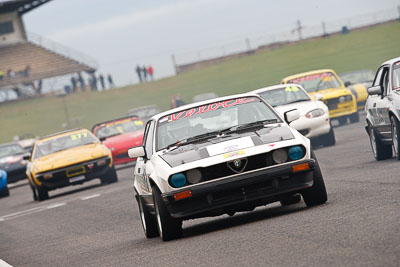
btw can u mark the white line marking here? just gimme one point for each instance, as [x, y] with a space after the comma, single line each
[56, 205]
[22, 212]
[4, 264]
[91, 196]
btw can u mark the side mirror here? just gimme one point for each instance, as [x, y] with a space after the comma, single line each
[102, 138]
[375, 90]
[318, 97]
[291, 115]
[26, 157]
[136, 152]
[346, 84]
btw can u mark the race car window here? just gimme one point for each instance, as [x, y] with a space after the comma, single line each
[63, 142]
[119, 127]
[212, 117]
[148, 145]
[396, 76]
[317, 81]
[10, 150]
[284, 96]
[377, 80]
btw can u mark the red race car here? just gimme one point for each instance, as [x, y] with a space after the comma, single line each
[119, 135]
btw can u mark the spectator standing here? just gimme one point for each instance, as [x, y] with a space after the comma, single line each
[93, 82]
[101, 77]
[1, 75]
[144, 70]
[110, 80]
[82, 82]
[74, 84]
[139, 73]
[150, 71]
[26, 71]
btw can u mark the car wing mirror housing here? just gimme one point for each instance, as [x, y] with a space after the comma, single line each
[346, 84]
[136, 152]
[26, 157]
[318, 97]
[291, 115]
[375, 90]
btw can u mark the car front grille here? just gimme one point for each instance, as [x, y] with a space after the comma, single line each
[253, 163]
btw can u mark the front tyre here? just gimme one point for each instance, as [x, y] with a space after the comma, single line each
[169, 228]
[316, 194]
[329, 138]
[5, 192]
[395, 136]
[379, 149]
[355, 117]
[149, 222]
[109, 177]
[42, 193]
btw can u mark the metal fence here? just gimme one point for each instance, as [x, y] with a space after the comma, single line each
[297, 32]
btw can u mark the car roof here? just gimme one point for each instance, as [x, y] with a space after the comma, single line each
[117, 119]
[391, 61]
[10, 143]
[306, 73]
[51, 136]
[205, 102]
[273, 87]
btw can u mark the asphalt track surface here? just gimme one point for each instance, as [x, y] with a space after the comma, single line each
[95, 225]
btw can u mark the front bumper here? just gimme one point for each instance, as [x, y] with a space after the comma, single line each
[312, 127]
[240, 192]
[65, 176]
[343, 109]
[15, 172]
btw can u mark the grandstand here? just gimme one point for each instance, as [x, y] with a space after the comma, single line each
[24, 61]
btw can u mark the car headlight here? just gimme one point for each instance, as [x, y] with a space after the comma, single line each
[193, 176]
[279, 156]
[178, 180]
[315, 113]
[295, 152]
[345, 98]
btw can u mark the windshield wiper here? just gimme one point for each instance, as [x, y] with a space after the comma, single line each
[298, 100]
[195, 139]
[250, 125]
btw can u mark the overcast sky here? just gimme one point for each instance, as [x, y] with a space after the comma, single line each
[120, 34]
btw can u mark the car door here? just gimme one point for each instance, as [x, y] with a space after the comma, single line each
[382, 105]
[143, 164]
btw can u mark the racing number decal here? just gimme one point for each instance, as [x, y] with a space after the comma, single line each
[78, 136]
[291, 89]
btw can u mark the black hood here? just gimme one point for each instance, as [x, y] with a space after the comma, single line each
[193, 152]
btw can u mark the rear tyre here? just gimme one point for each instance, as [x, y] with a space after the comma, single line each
[5, 192]
[169, 228]
[395, 136]
[109, 177]
[342, 120]
[329, 138]
[316, 194]
[354, 117]
[380, 150]
[149, 222]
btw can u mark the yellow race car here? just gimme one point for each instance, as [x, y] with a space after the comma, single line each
[68, 158]
[325, 85]
[358, 81]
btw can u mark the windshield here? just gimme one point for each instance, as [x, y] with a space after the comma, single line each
[284, 96]
[362, 76]
[396, 76]
[119, 127]
[318, 81]
[10, 150]
[63, 142]
[145, 112]
[212, 117]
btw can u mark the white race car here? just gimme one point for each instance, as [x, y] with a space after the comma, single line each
[220, 156]
[314, 120]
